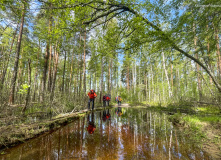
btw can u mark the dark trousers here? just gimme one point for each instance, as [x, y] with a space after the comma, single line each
[104, 103]
[108, 103]
[119, 103]
[89, 101]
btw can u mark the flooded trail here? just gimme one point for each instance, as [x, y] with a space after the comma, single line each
[118, 133]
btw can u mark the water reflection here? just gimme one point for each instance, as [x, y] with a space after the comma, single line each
[106, 115]
[135, 134]
[118, 111]
[91, 126]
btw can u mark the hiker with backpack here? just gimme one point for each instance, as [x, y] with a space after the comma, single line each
[119, 99]
[104, 101]
[107, 99]
[92, 95]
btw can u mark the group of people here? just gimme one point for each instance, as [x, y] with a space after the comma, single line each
[106, 99]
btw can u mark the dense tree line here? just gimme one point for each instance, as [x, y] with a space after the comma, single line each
[53, 51]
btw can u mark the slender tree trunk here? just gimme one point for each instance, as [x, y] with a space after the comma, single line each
[197, 66]
[84, 64]
[21, 68]
[164, 66]
[208, 52]
[146, 74]
[135, 72]
[36, 71]
[65, 56]
[149, 89]
[14, 78]
[111, 75]
[49, 48]
[109, 80]
[56, 54]
[128, 79]
[163, 96]
[153, 91]
[29, 88]
[45, 70]
[49, 68]
[171, 78]
[71, 70]
[80, 67]
[101, 86]
[7, 60]
[218, 51]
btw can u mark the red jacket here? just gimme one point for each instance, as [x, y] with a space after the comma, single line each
[92, 95]
[91, 129]
[107, 98]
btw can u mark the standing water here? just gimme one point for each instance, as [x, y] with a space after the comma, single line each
[120, 133]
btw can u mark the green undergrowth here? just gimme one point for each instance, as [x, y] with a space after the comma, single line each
[190, 127]
[133, 103]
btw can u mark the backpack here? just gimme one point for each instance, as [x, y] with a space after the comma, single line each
[92, 91]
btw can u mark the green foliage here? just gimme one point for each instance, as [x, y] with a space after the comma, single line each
[24, 89]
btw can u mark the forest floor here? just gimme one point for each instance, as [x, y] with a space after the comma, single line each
[13, 134]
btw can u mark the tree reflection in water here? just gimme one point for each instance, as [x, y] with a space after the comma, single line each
[135, 134]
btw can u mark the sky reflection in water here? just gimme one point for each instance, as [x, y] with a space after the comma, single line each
[119, 133]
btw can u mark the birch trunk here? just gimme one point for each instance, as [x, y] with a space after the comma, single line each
[166, 74]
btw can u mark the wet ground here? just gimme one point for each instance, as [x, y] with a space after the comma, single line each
[119, 133]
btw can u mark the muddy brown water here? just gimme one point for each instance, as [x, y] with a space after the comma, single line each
[119, 133]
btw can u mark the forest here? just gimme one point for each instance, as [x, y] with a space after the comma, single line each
[150, 52]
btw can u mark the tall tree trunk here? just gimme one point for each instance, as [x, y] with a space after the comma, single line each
[50, 47]
[111, 75]
[56, 54]
[14, 78]
[29, 88]
[36, 71]
[20, 76]
[45, 70]
[218, 52]
[101, 86]
[71, 70]
[65, 56]
[7, 60]
[128, 78]
[49, 68]
[197, 65]
[164, 66]
[80, 67]
[163, 95]
[153, 91]
[209, 55]
[84, 64]
[109, 81]
[171, 78]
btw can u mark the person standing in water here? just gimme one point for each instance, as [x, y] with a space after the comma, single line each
[92, 95]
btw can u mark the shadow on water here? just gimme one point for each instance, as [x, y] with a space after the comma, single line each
[119, 133]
